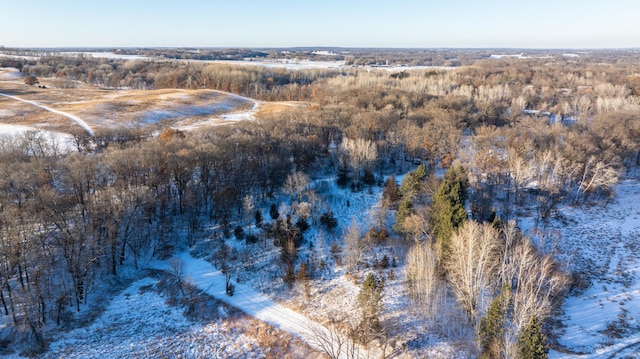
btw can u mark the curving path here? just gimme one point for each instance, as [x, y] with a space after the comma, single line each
[210, 280]
[77, 119]
[625, 351]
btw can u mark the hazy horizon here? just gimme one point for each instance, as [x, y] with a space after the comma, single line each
[461, 24]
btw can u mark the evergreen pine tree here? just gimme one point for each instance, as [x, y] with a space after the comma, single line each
[404, 211]
[411, 182]
[448, 210]
[531, 343]
[421, 172]
[492, 328]
[370, 300]
[273, 212]
[368, 178]
[328, 219]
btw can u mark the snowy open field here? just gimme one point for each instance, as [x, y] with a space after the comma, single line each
[94, 54]
[9, 73]
[90, 109]
[602, 243]
[325, 65]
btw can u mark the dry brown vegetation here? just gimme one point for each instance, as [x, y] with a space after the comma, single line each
[78, 217]
[109, 109]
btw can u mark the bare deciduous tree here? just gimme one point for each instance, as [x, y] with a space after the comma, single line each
[296, 184]
[471, 267]
[332, 342]
[360, 154]
[537, 282]
[352, 245]
[596, 175]
[422, 277]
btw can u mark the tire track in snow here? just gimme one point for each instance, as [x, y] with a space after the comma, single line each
[77, 119]
[250, 114]
[211, 280]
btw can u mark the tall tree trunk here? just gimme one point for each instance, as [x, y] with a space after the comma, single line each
[4, 303]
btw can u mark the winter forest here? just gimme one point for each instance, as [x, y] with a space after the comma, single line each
[407, 204]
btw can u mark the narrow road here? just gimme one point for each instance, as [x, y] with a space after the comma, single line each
[626, 351]
[77, 119]
[210, 280]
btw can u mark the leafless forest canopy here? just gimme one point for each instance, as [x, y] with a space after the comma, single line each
[531, 132]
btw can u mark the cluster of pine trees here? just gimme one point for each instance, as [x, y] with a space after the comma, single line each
[70, 219]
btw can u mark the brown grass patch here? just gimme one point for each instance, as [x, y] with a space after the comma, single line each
[102, 108]
[271, 109]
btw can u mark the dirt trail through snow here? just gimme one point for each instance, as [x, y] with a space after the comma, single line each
[68, 115]
[209, 279]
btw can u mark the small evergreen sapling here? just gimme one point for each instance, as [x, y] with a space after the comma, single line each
[370, 300]
[531, 343]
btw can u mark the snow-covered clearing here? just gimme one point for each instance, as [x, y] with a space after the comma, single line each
[94, 54]
[9, 73]
[104, 55]
[203, 275]
[20, 57]
[96, 108]
[243, 116]
[138, 323]
[77, 119]
[602, 243]
[334, 289]
[14, 130]
[62, 141]
[224, 112]
[283, 64]
[293, 64]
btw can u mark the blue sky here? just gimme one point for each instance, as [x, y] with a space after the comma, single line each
[288, 23]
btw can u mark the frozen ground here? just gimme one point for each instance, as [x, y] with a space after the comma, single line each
[204, 276]
[62, 140]
[106, 55]
[95, 54]
[307, 65]
[9, 73]
[602, 243]
[139, 323]
[94, 109]
[334, 291]
[77, 119]
[284, 64]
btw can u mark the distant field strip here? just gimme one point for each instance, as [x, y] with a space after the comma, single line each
[77, 119]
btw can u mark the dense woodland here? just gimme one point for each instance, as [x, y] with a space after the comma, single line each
[513, 133]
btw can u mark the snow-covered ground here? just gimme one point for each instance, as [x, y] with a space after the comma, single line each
[284, 64]
[105, 55]
[95, 54]
[77, 119]
[138, 323]
[334, 291]
[63, 141]
[243, 116]
[203, 275]
[309, 64]
[9, 73]
[181, 109]
[602, 243]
